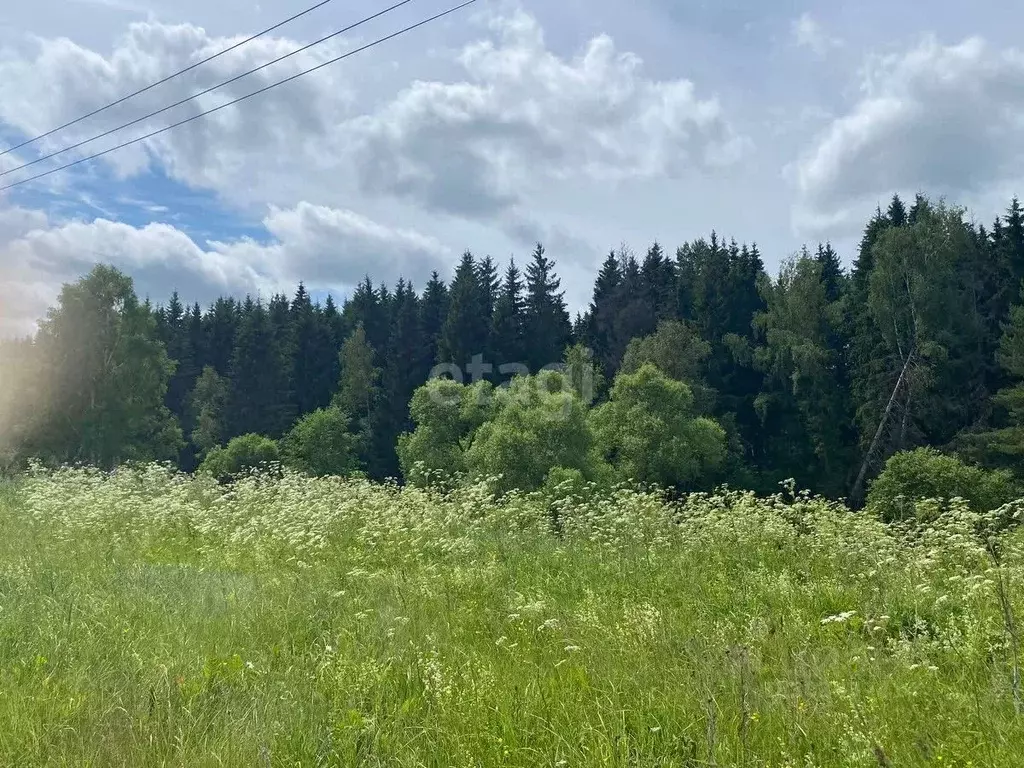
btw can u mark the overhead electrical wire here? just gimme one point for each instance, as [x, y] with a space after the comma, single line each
[289, 79]
[212, 88]
[170, 77]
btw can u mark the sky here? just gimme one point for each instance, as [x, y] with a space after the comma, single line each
[582, 124]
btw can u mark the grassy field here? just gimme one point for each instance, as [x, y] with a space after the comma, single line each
[150, 619]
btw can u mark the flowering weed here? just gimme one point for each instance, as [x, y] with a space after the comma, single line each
[150, 618]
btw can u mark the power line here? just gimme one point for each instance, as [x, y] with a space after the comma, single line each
[296, 76]
[189, 68]
[187, 99]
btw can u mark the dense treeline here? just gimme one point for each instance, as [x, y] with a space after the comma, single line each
[816, 374]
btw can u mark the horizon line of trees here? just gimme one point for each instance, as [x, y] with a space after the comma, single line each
[818, 374]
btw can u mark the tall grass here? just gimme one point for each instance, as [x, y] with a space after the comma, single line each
[148, 618]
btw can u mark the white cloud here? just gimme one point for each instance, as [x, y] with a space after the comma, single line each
[328, 248]
[521, 117]
[331, 248]
[809, 33]
[65, 80]
[21, 295]
[946, 119]
[524, 117]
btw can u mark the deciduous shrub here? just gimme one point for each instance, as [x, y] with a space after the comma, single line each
[240, 456]
[650, 432]
[924, 473]
[321, 444]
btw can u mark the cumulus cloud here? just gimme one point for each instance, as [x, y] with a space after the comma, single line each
[332, 248]
[524, 117]
[328, 248]
[809, 33]
[490, 128]
[21, 293]
[64, 80]
[519, 117]
[941, 118]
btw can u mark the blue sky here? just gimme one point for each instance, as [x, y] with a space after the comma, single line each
[587, 124]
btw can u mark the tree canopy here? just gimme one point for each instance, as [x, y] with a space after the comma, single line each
[815, 373]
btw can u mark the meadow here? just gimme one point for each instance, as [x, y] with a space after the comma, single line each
[149, 618]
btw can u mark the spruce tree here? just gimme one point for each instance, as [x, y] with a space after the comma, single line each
[1004, 446]
[490, 284]
[196, 338]
[465, 330]
[433, 314]
[220, 326]
[400, 378]
[367, 307]
[207, 405]
[176, 340]
[604, 309]
[658, 284]
[279, 311]
[508, 344]
[304, 364]
[869, 371]
[546, 319]
[897, 212]
[335, 325]
[832, 274]
[632, 316]
[259, 402]
[804, 404]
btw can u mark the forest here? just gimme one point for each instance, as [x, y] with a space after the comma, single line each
[687, 370]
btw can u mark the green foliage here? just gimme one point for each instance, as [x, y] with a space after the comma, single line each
[508, 346]
[208, 405]
[260, 400]
[678, 351]
[804, 403]
[650, 433]
[358, 387]
[446, 414]
[583, 374]
[546, 320]
[1004, 446]
[315, 354]
[538, 423]
[321, 444]
[19, 386]
[103, 378]
[564, 483]
[465, 331]
[919, 310]
[924, 473]
[241, 456]
[310, 622]
[804, 373]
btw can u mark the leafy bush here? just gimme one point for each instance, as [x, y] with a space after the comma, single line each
[446, 414]
[241, 455]
[562, 483]
[678, 351]
[539, 423]
[321, 444]
[650, 432]
[519, 432]
[925, 473]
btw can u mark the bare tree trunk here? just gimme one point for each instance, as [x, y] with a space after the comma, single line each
[903, 423]
[856, 495]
